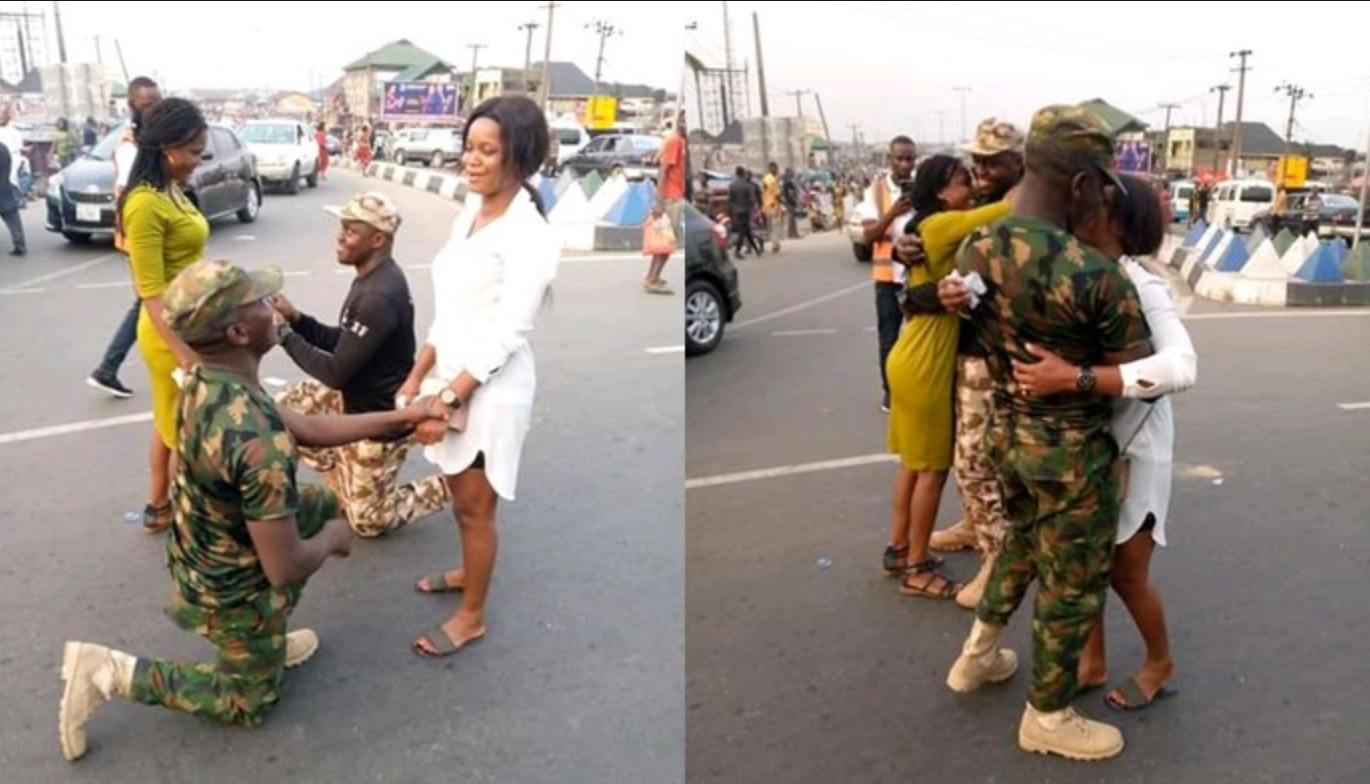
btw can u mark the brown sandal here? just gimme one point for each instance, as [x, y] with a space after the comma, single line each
[931, 568]
[157, 519]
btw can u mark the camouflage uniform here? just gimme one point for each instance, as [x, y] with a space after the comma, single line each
[236, 463]
[364, 474]
[977, 476]
[1057, 462]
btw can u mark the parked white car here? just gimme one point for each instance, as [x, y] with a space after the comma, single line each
[436, 147]
[1236, 202]
[285, 151]
[1179, 199]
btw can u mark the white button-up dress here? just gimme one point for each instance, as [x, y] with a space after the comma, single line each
[488, 290]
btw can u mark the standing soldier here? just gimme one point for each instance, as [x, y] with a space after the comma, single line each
[1058, 464]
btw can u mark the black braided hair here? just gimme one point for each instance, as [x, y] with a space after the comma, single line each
[175, 122]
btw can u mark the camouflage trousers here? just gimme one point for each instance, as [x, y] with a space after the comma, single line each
[977, 477]
[244, 682]
[365, 474]
[1062, 498]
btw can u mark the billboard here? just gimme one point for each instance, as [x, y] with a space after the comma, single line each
[435, 102]
[1132, 156]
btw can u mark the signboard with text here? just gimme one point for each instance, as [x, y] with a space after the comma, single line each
[417, 102]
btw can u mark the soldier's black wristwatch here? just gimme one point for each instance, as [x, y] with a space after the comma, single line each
[1084, 380]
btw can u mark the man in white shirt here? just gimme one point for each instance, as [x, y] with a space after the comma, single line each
[883, 215]
[13, 141]
[143, 94]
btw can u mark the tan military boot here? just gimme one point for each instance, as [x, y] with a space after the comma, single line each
[960, 536]
[970, 594]
[982, 660]
[1068, 734]
[92, 674]
[300, 645]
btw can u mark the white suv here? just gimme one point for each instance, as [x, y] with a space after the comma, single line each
[436, 147]
[285, 150]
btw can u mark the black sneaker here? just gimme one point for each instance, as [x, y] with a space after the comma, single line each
[109, 384]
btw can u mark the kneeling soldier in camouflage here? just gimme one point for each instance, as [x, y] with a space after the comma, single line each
[245, 537]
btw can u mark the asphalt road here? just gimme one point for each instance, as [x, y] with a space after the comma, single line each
[805, 665]
[581, 676]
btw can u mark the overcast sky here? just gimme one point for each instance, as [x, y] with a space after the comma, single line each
[892, 66]
[288, 44]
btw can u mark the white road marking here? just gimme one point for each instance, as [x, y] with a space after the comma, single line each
[63, 273]
[773, 473]
[21, 291]
[613, 257]
[795, 333]
[1354, 406]
[667, 350]
[115, 284]
[1279, 314]
[864, 285]
[296, 273]
[74, 427]
[245, 238]
[418, 266]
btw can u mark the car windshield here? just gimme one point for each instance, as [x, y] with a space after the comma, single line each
[1183, 191]
[104, 151]
[1337, 201]
[268, 134]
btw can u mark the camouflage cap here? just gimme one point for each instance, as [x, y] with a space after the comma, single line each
[207, 290]
[993, 136]
[1073, 136]
[373, 209]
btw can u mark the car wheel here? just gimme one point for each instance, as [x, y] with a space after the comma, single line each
[704, 317]
[437, 160]
[76, 238]
[313, 179]
[398, 158]
[253, 207]
[863, 253]
[617, 171]
[292, 186]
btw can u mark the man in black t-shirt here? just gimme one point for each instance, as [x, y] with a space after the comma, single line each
[357, 368]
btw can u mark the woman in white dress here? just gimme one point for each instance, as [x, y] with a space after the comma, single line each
[1144, 427]
[489, 283]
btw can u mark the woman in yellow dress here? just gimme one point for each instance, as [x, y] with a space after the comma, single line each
[921, 371]
[164, 233]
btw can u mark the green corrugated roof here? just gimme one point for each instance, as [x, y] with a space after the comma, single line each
[419, 70]
[399, 54]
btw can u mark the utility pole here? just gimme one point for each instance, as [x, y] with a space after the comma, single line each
[798, 102]
[123, 66]
[1221, 89]
[761, 85]
[528, 56]
[604, 30]
[1236, 160]
[545, 88]
[61, 36]
[760, 68]
[1296, 94]
[728, 83]
[475, 55]
[963, 91]
[828, 137]
[1364, 182]
[1165, 141]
